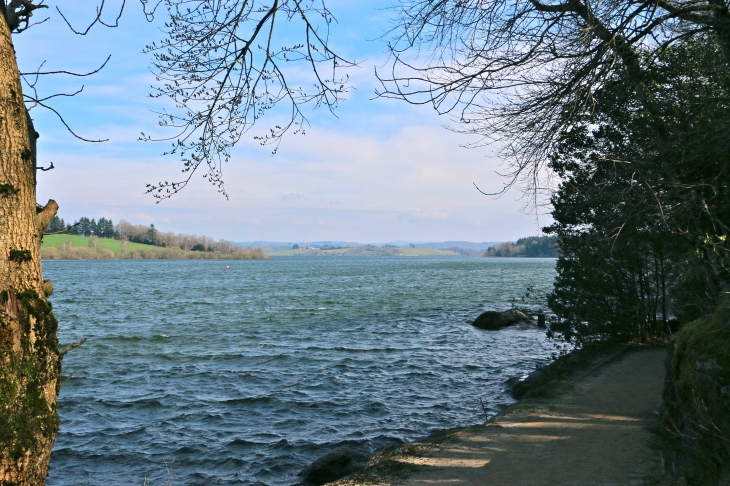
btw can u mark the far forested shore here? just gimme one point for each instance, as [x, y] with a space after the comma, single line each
[530, 247]
[89, 239]
[73, 247]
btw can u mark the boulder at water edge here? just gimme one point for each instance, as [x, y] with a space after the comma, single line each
[493, 320]
[333, 466]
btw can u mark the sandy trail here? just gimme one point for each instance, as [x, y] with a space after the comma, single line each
[593, 431]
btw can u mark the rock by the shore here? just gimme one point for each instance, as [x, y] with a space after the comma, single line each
[493, 320]
[518, 388]
[333, 466]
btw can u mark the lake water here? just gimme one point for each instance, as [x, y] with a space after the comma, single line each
[245, 375]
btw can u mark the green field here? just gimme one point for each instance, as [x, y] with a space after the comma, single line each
[115, 246]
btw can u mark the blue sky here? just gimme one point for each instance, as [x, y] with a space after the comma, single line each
[381, 170]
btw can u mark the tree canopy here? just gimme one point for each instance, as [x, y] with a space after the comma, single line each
[227, 63]
[522, 71]
[642, 206]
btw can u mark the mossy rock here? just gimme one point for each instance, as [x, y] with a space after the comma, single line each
[335, 465]
[697, 397]
[493, 320]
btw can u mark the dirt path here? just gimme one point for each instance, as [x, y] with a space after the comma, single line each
[593, 431]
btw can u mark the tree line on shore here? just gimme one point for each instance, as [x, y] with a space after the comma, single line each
[148, 235]
[530, 247]
[94, 251]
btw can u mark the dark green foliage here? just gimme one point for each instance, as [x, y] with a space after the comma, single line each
[198, 247]
[531, 246]
[56, 225]
[82, 227]
[20, 256]
[7, 190]
[539, 246]
[105, 228]
[609, 294]
[90, 227]
[641, 210]
[697, 399]
[151, 236]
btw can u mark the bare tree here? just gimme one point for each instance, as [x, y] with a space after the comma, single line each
[519, 71]
[225, 63]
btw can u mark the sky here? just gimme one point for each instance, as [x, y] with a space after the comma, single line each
[380, 170]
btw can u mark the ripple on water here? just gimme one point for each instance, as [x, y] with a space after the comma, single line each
[246, 375]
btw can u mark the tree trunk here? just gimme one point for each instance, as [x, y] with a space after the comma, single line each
[29, 360]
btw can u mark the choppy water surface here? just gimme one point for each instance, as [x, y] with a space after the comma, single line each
[245, 375]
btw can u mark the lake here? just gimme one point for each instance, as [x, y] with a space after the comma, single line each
[247, 374]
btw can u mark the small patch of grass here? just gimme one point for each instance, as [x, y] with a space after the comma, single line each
[115, 246]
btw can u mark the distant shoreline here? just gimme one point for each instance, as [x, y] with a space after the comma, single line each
[362, 251]
[74, 247]
[138, 257]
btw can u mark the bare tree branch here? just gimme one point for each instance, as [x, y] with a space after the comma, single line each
[39, 102]
[70, 73]
[71, 346]
[97, 19]
[220, 67]
[519, 72]
[63, 231]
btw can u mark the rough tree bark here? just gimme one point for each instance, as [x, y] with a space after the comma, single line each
[29, 359]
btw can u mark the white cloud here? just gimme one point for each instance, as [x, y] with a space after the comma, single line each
[381, 171]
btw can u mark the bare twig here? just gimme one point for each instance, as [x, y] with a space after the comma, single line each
[519, 73]
[220, 66]
[46, 169]
[67, 379]
[62, 232]
[71, 346]
[70, 73]
[484, 409]
[97, 19]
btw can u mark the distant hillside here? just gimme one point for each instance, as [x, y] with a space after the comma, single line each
[529, 247]
[462, 247]
[75, 247]
[364, 250]
[467, 245]
[88, 239]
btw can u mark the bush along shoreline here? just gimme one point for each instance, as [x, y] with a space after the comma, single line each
[153, 254]
[88, 239]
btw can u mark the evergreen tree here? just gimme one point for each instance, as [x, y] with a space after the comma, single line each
[56, 225]
[640, 213]
[151, 236]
